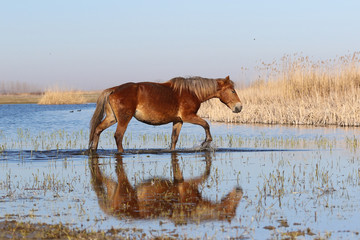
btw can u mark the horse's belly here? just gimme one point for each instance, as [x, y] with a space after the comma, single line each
[153, 117]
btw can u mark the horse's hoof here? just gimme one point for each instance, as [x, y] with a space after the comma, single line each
[90, 151]
[120, 151]
[205, 145]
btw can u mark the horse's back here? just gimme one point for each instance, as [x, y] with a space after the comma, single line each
[151, 103]
[145, 92]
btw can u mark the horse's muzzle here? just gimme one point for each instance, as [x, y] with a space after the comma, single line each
[237, 108]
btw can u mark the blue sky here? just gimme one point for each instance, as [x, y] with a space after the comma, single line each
[98, 44]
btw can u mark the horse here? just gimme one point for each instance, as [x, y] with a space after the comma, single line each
[175, 199]
[176, 101]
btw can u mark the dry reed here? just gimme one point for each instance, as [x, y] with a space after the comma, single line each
[56, 96]
[298, 91]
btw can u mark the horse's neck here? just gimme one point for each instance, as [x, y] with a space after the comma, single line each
[213, 95]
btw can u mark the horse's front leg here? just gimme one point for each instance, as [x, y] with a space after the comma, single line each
[178, 176]
[175, 134]
[195, 119]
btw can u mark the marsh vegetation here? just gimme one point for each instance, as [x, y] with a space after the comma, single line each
[298, 91]
[58, 96]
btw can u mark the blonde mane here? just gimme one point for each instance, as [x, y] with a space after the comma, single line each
[201, 87]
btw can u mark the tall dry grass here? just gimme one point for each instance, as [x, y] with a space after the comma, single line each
[298, 90]
[57, 96]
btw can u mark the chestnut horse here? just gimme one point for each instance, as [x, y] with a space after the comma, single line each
[176, 101]
[176, 199]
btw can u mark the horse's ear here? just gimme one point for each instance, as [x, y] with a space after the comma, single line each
[227, 78]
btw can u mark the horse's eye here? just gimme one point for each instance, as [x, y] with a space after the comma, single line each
[233, 91]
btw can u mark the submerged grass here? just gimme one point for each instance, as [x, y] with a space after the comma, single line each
[298, 91]
[26, 230]
[61, 139]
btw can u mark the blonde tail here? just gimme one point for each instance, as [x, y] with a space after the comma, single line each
[99, 113]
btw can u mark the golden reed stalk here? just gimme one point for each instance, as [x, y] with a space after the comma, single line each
[298, 91]
[56, 96]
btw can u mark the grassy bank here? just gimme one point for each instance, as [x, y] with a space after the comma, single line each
[57, 96]
[298, 91]
[19, 98]
[51, 97]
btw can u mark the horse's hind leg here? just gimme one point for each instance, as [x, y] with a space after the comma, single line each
[107, 122]
[120, 131]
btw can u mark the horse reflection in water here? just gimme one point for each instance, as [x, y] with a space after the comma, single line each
[178, 199]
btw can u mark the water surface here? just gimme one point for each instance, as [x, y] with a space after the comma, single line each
[293, 180]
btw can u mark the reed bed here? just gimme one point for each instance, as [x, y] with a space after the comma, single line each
[298, 91]
[56, 96]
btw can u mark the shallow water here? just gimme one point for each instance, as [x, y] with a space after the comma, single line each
[293, 180]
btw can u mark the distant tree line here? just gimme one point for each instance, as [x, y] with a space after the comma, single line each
[17, 87]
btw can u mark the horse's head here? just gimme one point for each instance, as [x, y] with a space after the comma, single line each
[228, 95]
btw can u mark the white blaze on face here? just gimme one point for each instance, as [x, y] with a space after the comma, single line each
[237, 107]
